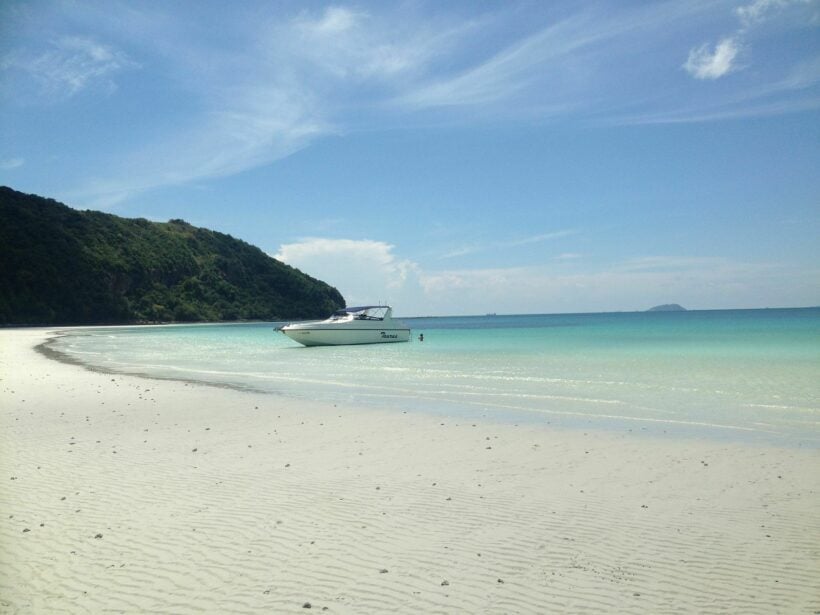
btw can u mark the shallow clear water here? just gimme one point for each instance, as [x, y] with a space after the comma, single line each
[738, 373]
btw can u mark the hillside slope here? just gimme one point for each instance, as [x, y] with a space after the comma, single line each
[60, 265]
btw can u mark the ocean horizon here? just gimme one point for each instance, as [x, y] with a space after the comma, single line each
[737, 374]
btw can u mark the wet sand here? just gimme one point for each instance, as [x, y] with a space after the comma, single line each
[122, 494]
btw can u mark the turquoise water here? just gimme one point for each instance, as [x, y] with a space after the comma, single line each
[734, 373]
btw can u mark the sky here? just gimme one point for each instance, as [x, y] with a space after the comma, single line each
[444, 157]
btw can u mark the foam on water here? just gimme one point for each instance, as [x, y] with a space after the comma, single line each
[742, 371]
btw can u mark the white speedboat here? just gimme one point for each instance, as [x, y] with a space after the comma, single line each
[369, 324]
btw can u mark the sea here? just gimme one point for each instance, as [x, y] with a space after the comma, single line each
[726, 374]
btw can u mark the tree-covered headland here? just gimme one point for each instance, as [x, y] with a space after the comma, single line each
[59, 265]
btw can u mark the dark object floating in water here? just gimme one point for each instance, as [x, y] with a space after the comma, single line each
[667, 307]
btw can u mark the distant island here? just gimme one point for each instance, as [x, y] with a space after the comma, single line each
[667, 307]
[63, 266]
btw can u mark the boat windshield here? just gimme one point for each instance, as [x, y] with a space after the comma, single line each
[372, 312]
[366, 316]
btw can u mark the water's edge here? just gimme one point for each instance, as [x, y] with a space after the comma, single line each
[549, 419]
[45, 349]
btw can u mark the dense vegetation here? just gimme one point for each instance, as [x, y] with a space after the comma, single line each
[60, 265]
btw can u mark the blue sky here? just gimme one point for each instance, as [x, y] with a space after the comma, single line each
[447, 157]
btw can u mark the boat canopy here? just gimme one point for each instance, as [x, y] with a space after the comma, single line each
[365, 312]
[351, 310]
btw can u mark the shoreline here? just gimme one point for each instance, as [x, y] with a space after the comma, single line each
[51, 354]
[554, 419]
[213, 499]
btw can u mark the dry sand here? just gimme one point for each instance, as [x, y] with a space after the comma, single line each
[120, 494]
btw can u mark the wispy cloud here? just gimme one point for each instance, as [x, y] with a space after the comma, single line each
[352, 46]
[11, 163]
[781, 82]
[368, 270]
[276, 80]
[220, 144]
[757, 11]
[503, 76]
[338, 42]
[707, 63]
[559, 68]
[669, 263]
[537, 238]
[510, 243]
[463, 250]
[694, 283]
[284, 87]
[69, 65]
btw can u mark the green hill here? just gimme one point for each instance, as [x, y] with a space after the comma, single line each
[60, 265]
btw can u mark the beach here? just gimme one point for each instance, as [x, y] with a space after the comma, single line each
[132, 495]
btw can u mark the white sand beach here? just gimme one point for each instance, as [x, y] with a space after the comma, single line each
[126, 495]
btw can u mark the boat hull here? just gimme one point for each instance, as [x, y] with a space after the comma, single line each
[344, 337]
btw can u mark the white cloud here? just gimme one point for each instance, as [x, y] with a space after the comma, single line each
[266, 124]
[272, 82]
[670, 263]
[368, 270]
[706, 283]
[363, 270]
[463, 251]
[516, 68]
[333, 22]
[803, 75]
[512, 243]
[355, 46]
[11, 163]
[259, 102]
[560, 68]
[538, 238]
[759, 10]
[704, 63]
[70, 65]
